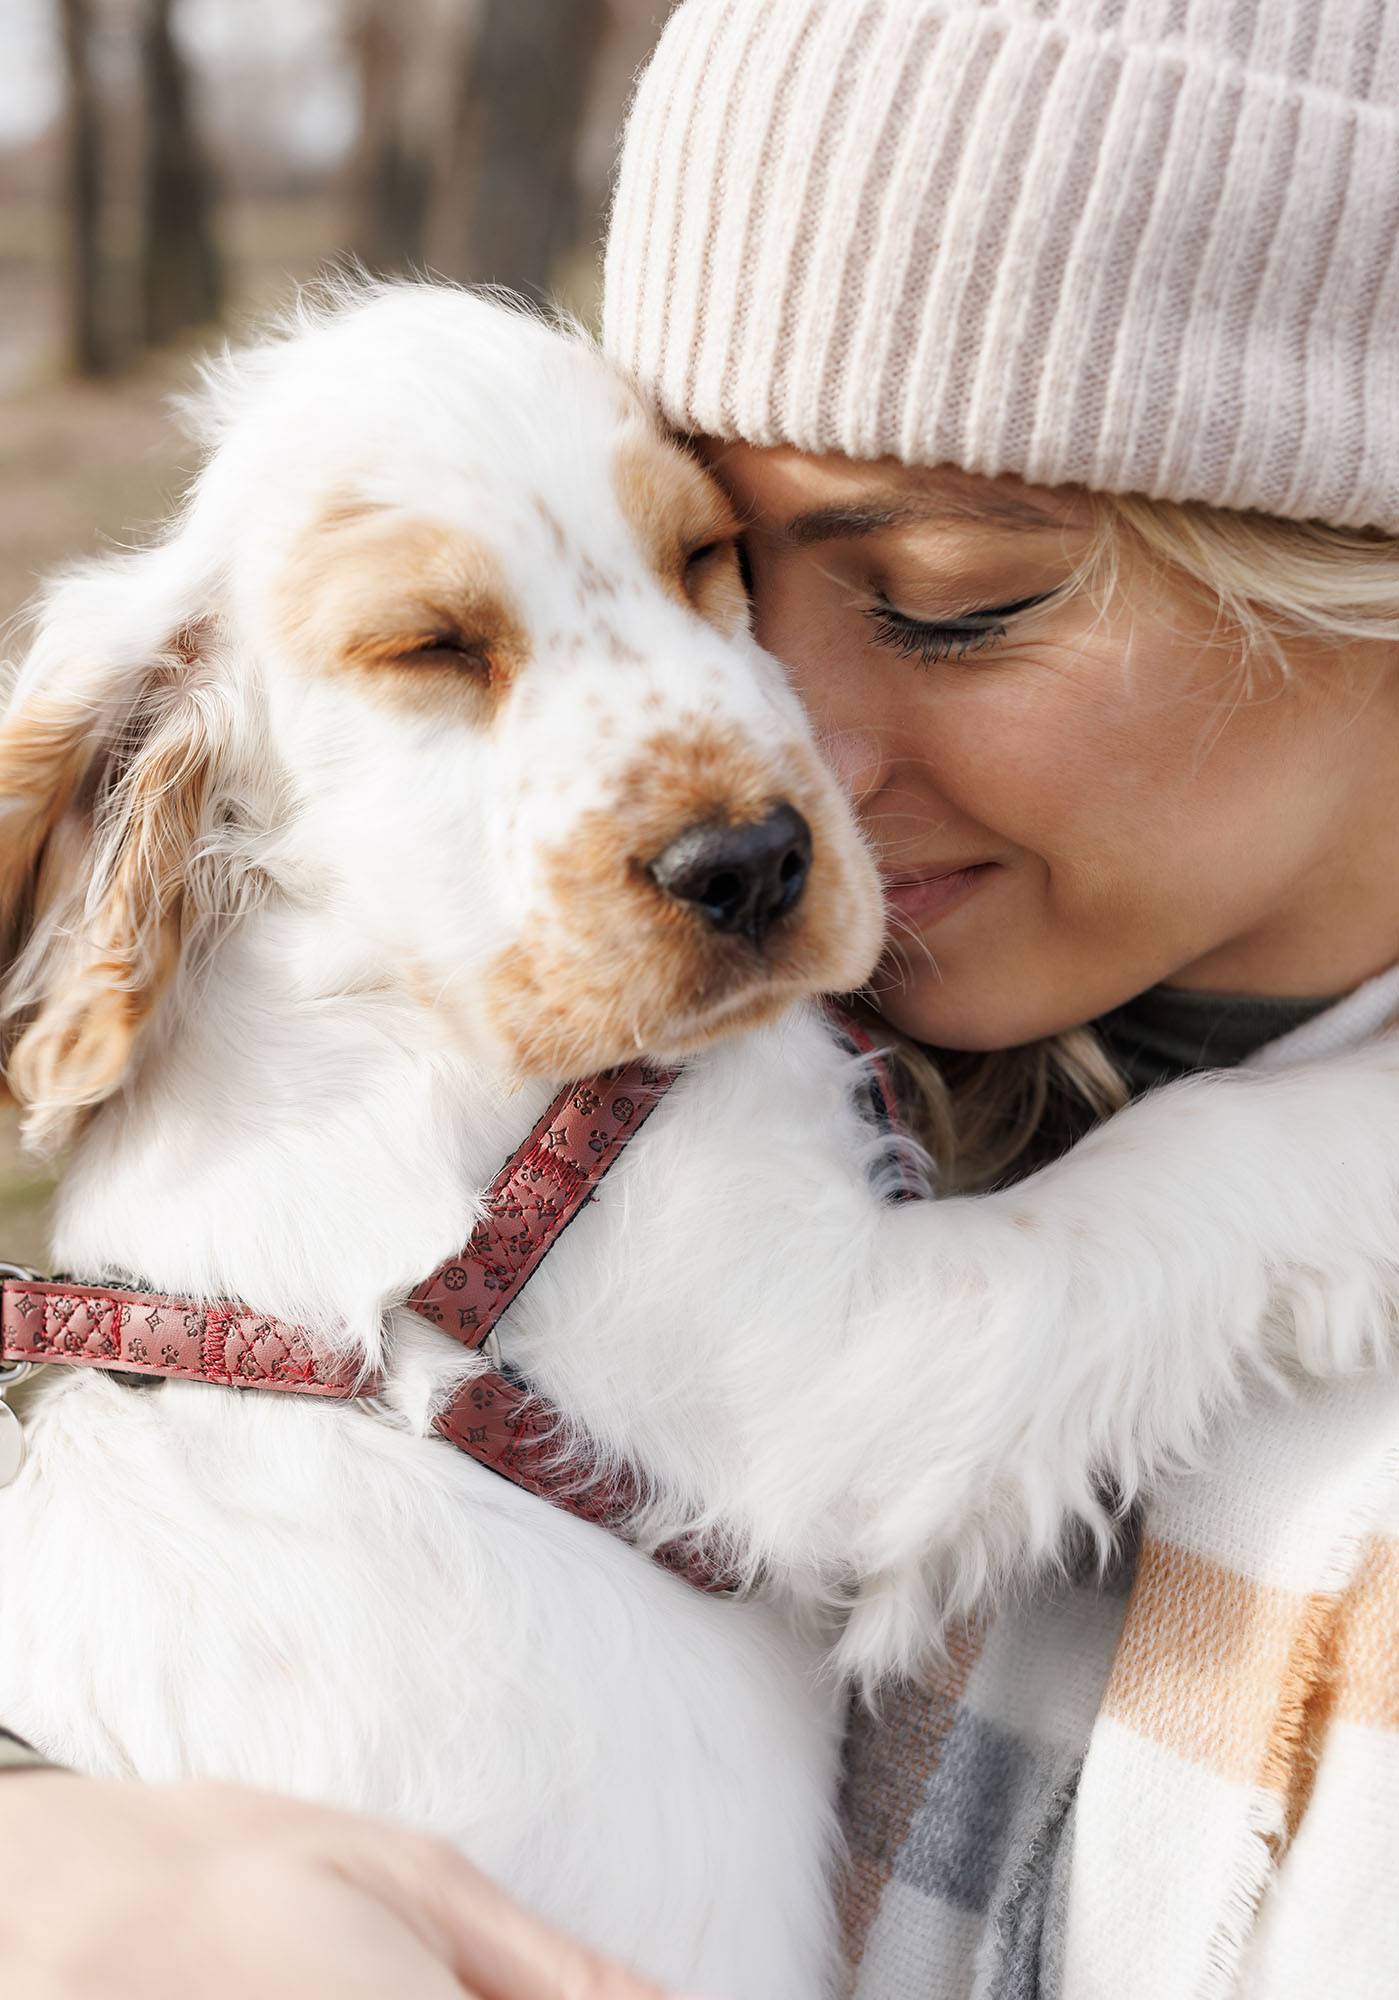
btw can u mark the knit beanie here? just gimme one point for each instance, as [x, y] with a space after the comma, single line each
[1147, 246]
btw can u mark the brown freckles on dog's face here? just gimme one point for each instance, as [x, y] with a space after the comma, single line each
[619, 964]
[484, 670]
[605, 961]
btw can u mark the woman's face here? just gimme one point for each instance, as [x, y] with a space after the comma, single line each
[1070, 802]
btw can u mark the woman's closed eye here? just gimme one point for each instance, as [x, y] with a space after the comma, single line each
[927, 640]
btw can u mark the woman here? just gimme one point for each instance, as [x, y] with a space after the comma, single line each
[1050, 349]
[950, 287]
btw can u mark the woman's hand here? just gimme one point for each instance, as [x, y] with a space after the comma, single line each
[144, 1892]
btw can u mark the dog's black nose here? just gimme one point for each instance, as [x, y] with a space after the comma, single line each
[739, 878]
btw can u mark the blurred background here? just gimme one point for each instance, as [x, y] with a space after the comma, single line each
[170, 169]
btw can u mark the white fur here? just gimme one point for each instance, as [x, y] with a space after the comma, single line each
[883, 1409]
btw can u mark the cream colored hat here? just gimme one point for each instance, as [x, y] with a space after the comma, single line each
[1147, 245]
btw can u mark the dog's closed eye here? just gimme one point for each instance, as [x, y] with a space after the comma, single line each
[455, 651]
[700, 562]
[713, 581]
[415, 604]
[684, 523]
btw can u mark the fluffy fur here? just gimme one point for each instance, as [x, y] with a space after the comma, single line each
[322, 840]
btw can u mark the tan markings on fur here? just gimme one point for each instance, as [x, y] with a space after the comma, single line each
[41, 765]
[191, 641]
[554, 527]
[420, 611]
[614, 647]
[41, 761]
[121, 942]
[612, 964]
[675, 508]
[594, 582]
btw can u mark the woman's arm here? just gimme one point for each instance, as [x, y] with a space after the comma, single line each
[164, 1891]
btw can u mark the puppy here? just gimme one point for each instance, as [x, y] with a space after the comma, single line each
[337, 831]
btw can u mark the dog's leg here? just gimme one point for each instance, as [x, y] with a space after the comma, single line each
[1005, 1362]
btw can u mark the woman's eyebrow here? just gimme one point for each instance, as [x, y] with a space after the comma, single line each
[847, 520]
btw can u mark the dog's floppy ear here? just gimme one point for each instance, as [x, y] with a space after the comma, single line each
[107, 743]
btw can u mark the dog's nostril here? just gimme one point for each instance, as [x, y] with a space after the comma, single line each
[739, 878]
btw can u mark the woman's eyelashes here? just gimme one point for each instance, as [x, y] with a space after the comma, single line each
[928, 640]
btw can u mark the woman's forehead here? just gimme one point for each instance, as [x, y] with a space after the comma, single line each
[809, 497]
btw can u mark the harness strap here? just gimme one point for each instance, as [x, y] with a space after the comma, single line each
[149, 1333]
[535, 1196]
[494, 1417]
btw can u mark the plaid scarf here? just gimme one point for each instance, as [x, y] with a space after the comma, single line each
[1180, 1782]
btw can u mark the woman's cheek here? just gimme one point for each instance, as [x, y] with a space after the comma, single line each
[1006, 760]
[858, 758]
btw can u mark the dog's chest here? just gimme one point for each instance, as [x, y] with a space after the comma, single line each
[198, 1582]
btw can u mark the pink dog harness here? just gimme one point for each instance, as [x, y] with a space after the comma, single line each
[494, 1417]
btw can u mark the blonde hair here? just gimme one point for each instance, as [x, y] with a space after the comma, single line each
[1274, 584]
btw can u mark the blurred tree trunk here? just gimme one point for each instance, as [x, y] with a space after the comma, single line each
[180, 278]
[528, 73]
[88, 348]
[389, 181]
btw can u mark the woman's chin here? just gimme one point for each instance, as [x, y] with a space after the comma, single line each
[975, 1014]
[947, 1028]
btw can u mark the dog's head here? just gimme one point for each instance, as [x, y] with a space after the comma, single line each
[454, 642]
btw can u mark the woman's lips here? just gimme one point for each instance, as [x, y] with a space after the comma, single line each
[927, 898]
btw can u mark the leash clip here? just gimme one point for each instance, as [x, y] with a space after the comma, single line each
[11, 1374]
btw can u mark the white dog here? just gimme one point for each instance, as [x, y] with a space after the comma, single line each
[425, 765]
